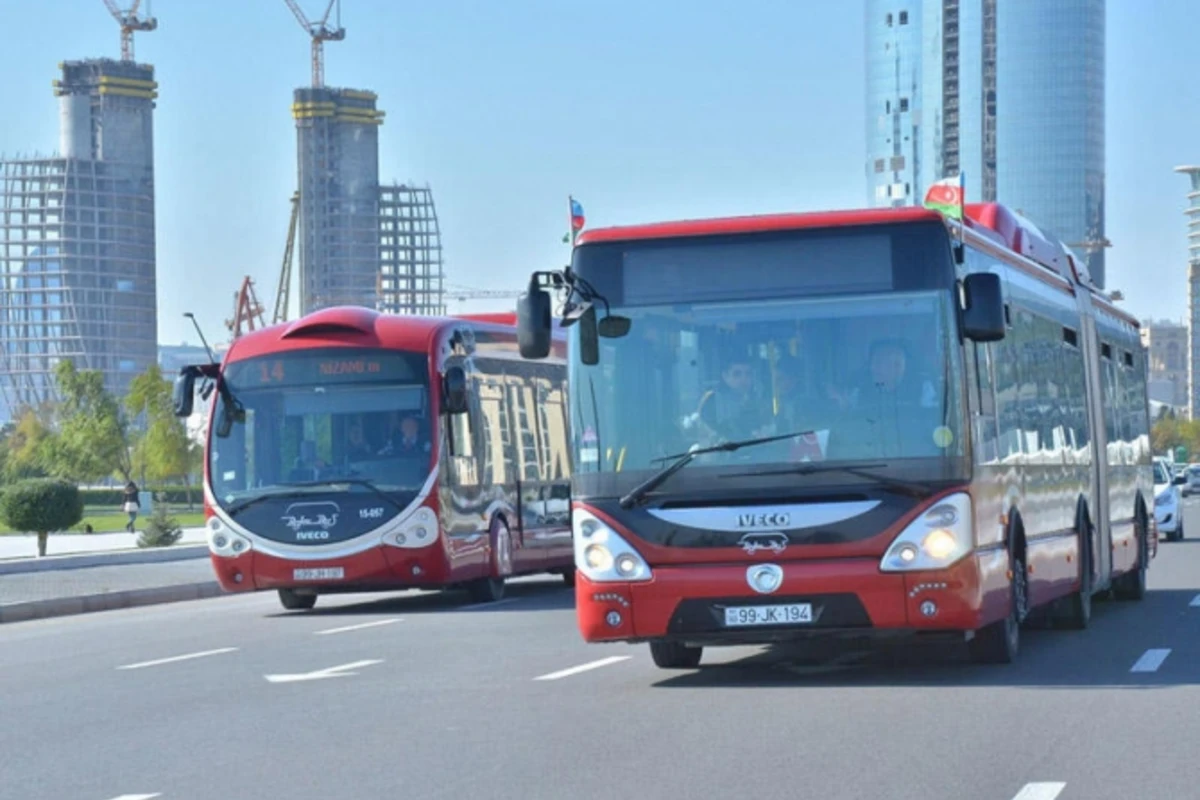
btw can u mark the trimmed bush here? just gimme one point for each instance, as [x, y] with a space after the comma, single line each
[162, 530]
[42, 506]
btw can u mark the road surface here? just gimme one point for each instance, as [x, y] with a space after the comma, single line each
[425, 695]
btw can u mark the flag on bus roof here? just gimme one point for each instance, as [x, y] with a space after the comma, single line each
[947, 196]
[576, 215]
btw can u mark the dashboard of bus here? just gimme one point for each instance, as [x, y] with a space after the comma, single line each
[847, 337]
[331, 443]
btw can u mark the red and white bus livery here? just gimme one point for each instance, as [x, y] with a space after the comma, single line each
[855, 424]
[354, 451]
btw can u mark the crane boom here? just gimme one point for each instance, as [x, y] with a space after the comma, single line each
[284, 292]
[129, 22]
[320, 32]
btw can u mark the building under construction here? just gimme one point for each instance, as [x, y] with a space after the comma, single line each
[360, 243]
[77, 240]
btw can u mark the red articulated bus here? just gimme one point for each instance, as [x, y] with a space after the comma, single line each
[869, 424]
[354, 451]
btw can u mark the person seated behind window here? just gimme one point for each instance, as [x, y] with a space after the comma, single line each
[357, 448]
[407, 440]
[733, 410]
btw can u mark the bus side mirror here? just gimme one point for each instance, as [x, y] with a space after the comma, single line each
[184, 392]
[983, 307]
[533, 322]
[454, 388]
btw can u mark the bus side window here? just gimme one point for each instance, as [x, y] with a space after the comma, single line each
[461, 434]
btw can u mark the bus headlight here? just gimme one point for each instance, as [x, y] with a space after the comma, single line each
[602, 555]
[937, 539]
[418, 529]
[224, 542]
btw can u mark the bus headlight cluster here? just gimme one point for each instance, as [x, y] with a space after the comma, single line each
[937, 539]
[416, 530]
[602, 555]
[224, 542]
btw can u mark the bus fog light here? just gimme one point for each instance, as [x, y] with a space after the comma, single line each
[928, 608]
[220, 541]
[238, 545]
[401, 538]
[598, 557]
[939, 544]
[420, 533]
[626, 564]
[613, 618]
[237, 577]
[907, 553]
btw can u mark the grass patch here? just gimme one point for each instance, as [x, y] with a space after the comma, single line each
[107, 521]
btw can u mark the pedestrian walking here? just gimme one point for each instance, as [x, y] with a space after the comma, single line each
[131, 505]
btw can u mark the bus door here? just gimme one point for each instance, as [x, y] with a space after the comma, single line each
[1099, 505]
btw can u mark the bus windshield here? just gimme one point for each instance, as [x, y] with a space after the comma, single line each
[871, 379]
[320, 421]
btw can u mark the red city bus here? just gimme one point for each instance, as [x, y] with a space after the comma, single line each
[354, 451]
[856, 425]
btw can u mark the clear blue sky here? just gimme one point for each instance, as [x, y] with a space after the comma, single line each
[642, 110]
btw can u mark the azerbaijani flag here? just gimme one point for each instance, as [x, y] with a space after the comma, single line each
[947, 196]
[576, 215]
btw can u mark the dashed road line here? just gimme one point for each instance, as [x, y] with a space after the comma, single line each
[566, 673]
[138, 796]
[340, 671]
[1046, 790]
[1151, 660]
[358, 627]
[1195, 602]
[173, 659]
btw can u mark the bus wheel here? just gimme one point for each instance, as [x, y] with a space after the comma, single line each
[1132, 585]
[999, 642]
[672, 655]
[1077, 608]
[491, 588]
[295, 601]
[568, 576]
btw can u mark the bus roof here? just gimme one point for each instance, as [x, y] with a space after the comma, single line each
[333, 325]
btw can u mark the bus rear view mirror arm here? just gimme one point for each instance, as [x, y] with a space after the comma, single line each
[983, 307]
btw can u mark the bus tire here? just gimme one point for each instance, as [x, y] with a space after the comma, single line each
[1132, 585]
[568, 576]
[491, 588]
[672, 655]
[295, 601]
[1077, 608]
[999, 642]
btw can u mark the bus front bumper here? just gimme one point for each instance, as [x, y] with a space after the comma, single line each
[841, 598]
[376, 569]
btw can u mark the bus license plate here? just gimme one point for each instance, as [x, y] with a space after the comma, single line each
[322, 574]
[791, 614]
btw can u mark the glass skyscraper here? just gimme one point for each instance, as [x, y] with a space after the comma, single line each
[1011, 94]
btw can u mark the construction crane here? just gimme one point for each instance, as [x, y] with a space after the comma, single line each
[464, 293]
[283, 294]
[320, 32]
[247, 311]
[130, 22]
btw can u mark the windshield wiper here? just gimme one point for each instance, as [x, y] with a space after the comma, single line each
[639, 492]
[352, 481]
[895, 485]
[236, 508]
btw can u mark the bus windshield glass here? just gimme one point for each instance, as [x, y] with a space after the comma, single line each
[870, 372]
[317, 417]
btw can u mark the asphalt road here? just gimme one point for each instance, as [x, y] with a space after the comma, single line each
[427, 696]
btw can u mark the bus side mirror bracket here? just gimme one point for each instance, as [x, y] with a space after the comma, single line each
[983, 307]
[454, 390]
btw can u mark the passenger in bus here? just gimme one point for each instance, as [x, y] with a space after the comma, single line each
[407, 439]
[734, 410]
[357, 448]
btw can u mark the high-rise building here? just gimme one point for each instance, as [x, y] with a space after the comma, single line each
[1193, 235]
[1166, 346]
[410, 249]
[961, 86]
[77, 238]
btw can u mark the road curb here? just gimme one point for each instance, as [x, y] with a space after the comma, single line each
[150, 555]
[108, 601]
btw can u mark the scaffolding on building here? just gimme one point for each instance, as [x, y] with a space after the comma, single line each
[411, 279]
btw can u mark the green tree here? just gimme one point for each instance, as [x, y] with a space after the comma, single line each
[43, 506]
[28, 448]
[162, 451]
[92, 441]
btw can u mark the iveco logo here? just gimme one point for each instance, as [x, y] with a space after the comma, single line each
[767, 520]
[754, 542]
[303, 536]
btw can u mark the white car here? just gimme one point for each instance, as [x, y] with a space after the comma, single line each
[1193, 479]
[1168, 507]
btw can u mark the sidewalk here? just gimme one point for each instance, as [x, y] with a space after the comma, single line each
[98, 572]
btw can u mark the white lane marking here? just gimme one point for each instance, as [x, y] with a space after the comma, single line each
[138, 796]
[1151, 660]
[1047, 790]
[492, 604]
[566, 673]
[1195, 602]
[173, 659]
[340, 671]
[359, 626]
